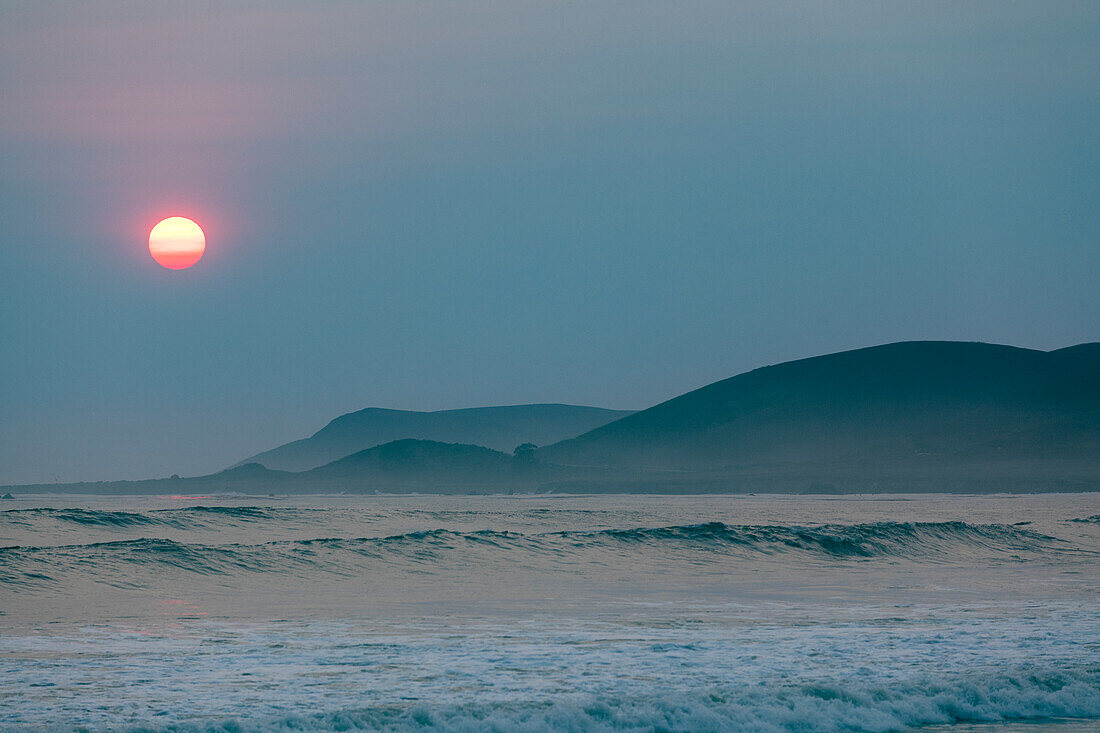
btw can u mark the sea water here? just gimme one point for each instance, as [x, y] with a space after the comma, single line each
[534, 613]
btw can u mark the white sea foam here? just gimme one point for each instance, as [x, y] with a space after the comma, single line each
[593, 614]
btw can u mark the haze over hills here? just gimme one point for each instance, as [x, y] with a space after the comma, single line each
[911, 416]
[398, 466]
[499, 428]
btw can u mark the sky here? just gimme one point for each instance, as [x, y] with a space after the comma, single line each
[428, 205]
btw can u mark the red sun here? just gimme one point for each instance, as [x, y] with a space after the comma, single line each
[177, 243]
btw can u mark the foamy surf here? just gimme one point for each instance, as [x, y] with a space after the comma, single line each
[1055, 697]
[551, 613]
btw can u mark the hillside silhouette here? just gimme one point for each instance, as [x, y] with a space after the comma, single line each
[500, 428]
[928, 408]
[911, 416]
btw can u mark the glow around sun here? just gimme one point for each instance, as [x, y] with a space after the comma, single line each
[177, 243]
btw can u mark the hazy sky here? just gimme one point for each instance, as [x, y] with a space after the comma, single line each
[431, 205]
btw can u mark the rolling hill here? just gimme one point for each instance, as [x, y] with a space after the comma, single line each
[911, 416]
[499, 428]
[912, 408]
[415, 463]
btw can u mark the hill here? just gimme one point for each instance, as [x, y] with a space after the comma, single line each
[415, 462]
[904, 411]
[499, 428]
[912, 416]
[399, 466]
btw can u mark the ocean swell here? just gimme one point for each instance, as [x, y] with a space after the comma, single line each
[878, 539]
[928, 541]
[83, 517]
[181, 518]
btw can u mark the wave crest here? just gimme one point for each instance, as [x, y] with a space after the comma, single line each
[927, 541]
[85, 517]
[876, 539]
[181, 517]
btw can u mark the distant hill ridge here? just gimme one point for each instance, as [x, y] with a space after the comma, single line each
[419, 458]
[917, 402]
[500, 428]
[910, 416]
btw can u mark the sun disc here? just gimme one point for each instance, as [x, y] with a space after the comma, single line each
[177, 243]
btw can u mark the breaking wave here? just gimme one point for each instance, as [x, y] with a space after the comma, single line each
[928, 541]
[85, 517]
[879, 539]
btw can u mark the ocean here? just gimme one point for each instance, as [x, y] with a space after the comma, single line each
[551, 613]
